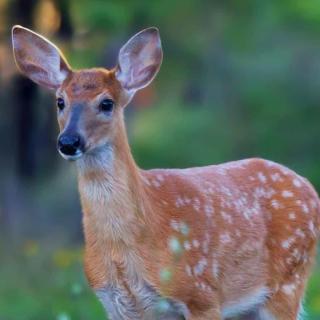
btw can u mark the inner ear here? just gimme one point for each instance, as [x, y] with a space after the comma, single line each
[38, 58]
[140, 59]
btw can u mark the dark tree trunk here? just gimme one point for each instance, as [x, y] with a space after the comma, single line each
[65, 31]
[25, 94]
[21, 12]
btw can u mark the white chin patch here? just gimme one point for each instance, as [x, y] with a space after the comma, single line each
[77, 156]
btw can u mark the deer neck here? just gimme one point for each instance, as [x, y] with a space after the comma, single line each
[111, 194]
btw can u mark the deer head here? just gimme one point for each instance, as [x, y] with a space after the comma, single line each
[90, 102]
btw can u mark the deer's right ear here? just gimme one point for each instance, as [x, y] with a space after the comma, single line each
[39, 59]
[139, 60]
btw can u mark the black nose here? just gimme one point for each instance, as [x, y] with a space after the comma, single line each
[69, 144]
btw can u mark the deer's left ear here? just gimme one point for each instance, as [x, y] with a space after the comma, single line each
[38, 58]
[139, 60]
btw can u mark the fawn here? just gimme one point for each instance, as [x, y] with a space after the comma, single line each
[206, 243]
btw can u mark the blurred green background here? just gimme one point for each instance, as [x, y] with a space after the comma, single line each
[239, 79]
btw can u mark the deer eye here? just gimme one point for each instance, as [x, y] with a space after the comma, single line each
[60, 104]
[106, 105]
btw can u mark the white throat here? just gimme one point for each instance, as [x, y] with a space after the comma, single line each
[101, 158]
[105, 195]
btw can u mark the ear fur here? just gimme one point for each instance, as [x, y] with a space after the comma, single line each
[38, 58]
[140, 59]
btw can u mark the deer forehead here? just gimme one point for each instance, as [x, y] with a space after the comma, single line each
[85, 85]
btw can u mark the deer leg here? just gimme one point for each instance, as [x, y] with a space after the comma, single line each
[282, 306]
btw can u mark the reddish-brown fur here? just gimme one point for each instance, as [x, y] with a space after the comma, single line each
[203, 236]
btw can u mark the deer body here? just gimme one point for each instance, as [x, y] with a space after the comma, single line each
[206, 243]
[242, 229]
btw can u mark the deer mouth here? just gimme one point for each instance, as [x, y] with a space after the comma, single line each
[73, 157]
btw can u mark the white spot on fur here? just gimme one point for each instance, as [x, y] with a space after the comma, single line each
[174, 225]
[313, 204]
[196, 204]
[225, 238]
[262, 178]
[305, 208]
[271, 164]
[179, 202]
[312, 228]
[300, 233]
[205, 287]
[226, 191]
[275, 204]
[226, 216]
[296, 254]
[156, 183]
[288, 289]
[306, 257]
[146, 181]
[186, 200]
[181, 227]
[287, 194]
[184, 229]
[275, 177]
[205, 244]
[187, 245]
[160, 177]
[261, 192]
[208, 210]
[210, 190]
[215, 268]
[200, 266]
[292, 216]
[297, 183]
[188, 270]
[195, 243]
[285, 171]
[287, 243]
[174, 245]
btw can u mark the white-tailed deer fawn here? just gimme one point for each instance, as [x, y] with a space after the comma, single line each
[207, 243]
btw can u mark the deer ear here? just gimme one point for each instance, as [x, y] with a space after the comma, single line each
[39, 59]
[139, 60]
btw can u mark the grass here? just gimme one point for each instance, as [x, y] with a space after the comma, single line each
[39, 284]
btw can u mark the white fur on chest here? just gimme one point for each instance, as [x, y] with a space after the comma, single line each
[140, 302]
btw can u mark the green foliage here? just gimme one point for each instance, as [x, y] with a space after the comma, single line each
[157, 132]
[40, 282]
